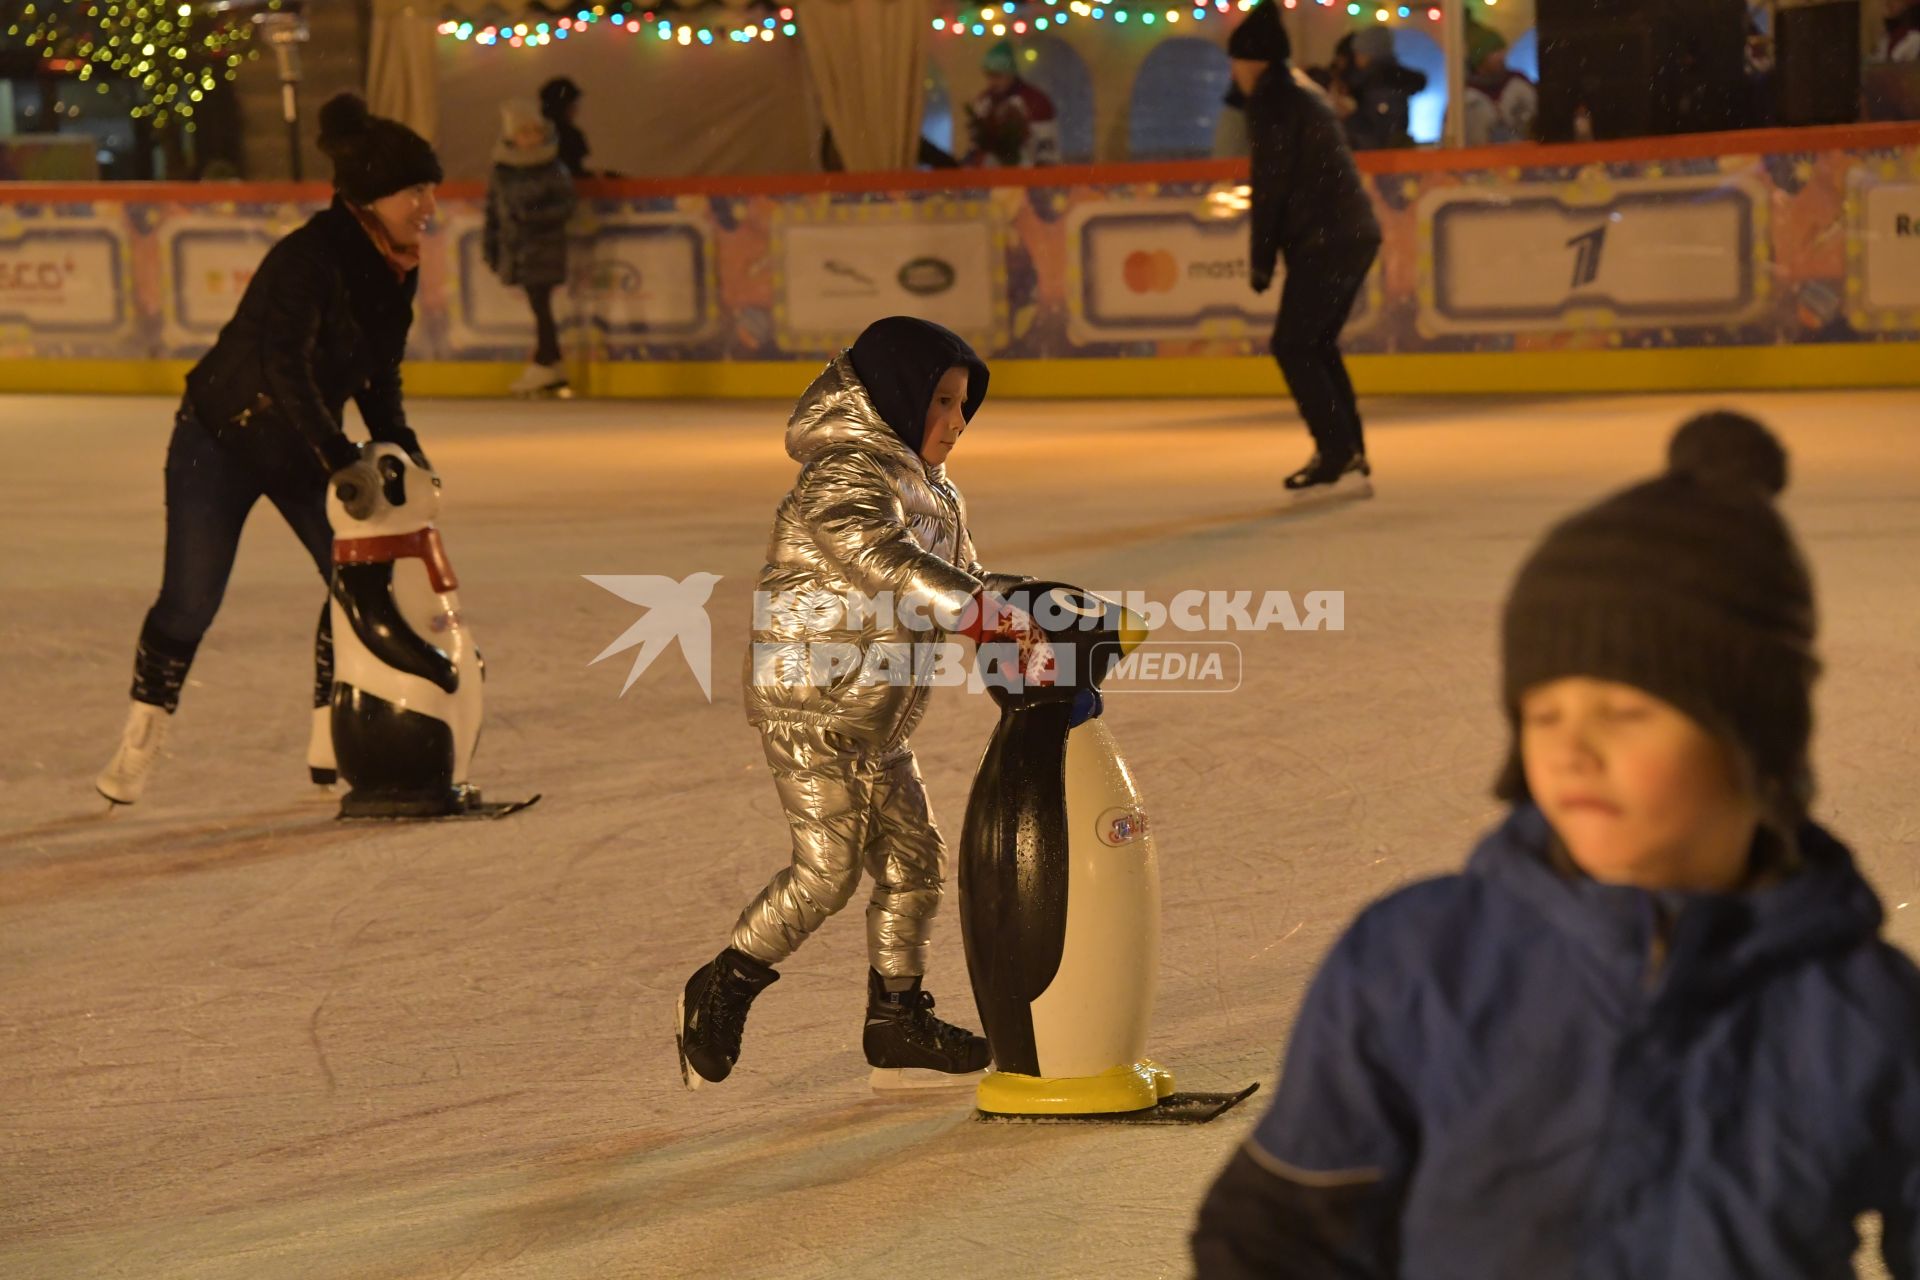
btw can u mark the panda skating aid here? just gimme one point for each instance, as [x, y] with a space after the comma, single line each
[408, 678]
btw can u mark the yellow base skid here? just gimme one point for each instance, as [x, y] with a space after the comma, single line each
[1134, 1086]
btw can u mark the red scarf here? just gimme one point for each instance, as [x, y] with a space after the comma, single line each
[401, 259]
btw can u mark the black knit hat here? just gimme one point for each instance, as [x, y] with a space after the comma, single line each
[1260, 37]
[373, 156]
[556, 95]
[1689, 586]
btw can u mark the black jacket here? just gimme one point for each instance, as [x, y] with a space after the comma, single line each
[573, 147]
[1307, 192]
[323, 320]
[1383, 92]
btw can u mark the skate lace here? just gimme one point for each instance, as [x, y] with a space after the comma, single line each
[727, 1018]
[921, 1020]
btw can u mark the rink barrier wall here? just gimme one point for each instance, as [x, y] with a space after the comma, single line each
[1770, 259]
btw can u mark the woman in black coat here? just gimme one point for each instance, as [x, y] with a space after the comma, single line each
[323, 320]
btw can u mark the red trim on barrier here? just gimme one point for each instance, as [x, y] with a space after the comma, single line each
[1855, 137]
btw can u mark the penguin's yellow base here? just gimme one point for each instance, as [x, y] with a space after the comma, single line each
[1134, 1086]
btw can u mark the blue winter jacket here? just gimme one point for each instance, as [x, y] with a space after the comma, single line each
[1518, 1074]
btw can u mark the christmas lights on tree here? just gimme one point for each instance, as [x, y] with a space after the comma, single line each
[172, 53]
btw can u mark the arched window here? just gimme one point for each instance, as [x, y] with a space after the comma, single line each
[1427, 110]
[1524, 56]
[936, 115]
[1056, 68]
[1176, 100]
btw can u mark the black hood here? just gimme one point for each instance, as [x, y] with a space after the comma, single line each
[900, 360]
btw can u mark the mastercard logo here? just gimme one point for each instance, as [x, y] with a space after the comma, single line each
[1151, 271]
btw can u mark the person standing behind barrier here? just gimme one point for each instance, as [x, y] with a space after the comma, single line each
[1500, 103]
[1012, 124]
[1382, 88]
[1310, 205]
[560, 103]
[529, 200]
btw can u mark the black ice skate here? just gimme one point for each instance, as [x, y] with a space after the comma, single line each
[1326, 478]
[909, 1048]
[712, 1012]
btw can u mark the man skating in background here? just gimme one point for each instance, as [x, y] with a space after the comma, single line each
[1310, 206]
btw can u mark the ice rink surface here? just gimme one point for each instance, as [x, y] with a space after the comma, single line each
[238, 1039]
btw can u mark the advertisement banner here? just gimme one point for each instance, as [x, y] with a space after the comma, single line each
[844, 266]
[207, 262]
[641, 276]
[647, 276]
[1883, 251]
[1173, 269]
[1590, 255]
[64, 276]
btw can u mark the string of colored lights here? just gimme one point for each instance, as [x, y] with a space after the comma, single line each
[1018, 17]
[1000, 20]
[543, 31]
[174, 55]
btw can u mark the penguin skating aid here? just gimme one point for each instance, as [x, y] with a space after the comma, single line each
[1060, 889]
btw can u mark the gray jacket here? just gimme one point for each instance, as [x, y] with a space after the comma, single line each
[868, 516]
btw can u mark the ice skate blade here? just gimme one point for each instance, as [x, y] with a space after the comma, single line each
[462, 807]
[688, 1076]
[1348, 487]
[909, 1080]
[545, 393]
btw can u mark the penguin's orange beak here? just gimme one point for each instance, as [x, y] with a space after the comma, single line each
[1133, 631]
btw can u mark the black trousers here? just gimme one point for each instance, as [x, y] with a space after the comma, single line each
[546, 349]
[209, 496]
[1322, 284]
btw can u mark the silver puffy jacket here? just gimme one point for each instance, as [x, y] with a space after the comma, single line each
[866, 515]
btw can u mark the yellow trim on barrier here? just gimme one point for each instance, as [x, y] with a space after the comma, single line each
[1782, 368]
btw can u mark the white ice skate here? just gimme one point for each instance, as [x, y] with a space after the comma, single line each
[321, 766]
[125, 776]
[541, 380]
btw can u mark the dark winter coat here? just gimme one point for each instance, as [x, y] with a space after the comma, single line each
[1307, 191]
[1518, 1072]
[323, 320]
[526, 233]
[573, 146]
[1383, 94]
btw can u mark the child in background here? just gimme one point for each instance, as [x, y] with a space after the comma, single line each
[529, 200]
[1653, 1030]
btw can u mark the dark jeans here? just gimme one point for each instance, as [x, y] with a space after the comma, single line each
[546, 348]
[1321, 287]
[209, 495]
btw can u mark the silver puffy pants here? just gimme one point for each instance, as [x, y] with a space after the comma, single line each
[848, 810]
